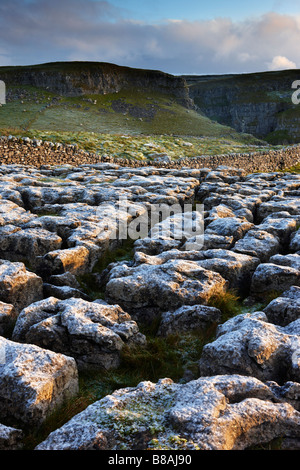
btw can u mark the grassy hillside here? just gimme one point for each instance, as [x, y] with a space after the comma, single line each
[258, 103]
[92, 120]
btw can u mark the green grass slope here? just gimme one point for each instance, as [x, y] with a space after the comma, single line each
[93, 120]
[258, 103]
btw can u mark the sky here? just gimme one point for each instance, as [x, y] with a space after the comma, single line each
[175, 36]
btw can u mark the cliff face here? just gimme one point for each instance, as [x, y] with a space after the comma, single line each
[81, 78]
[258, 104]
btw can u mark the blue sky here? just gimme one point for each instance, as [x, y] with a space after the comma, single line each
[175, 36]
[160, 10]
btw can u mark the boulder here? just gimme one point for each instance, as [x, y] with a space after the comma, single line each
[295, 241]
[19, 286]
[278, 204]
[282, 228]
[27, 243]
[236, 268]
[10, 438]
[284, 309]
[155, 246]
[220, 211]
[8, 315]
[12, 214]
[270, 277]
[229, 412]
[33, 382]
[158, 288]
[93, 333]
[229, 227]
[248, 345]
[258, 243]
[63, 292]
[189, 318]
[292, 260]
[74, 260]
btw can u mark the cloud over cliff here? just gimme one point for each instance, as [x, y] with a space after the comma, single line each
[35, 31]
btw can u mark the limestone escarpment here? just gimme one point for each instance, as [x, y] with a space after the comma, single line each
[259, 103]
[84, 78]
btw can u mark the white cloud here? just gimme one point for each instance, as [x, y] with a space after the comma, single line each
[42, 31]
[280, 62]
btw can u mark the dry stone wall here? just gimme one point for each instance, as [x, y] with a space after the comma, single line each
[25, 151]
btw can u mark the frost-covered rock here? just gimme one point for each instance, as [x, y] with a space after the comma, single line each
[160, 287]
[8, 315]
[10, 438]
[248, 345]
[189, 318]
[229, 412]
[33, 382]
[284, 309]
[18, 286]
[273, 277]
[93, 333]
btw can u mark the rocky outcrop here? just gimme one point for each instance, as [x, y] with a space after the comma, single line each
[259, 104]
[148, 289]
[94, 333]
[33, 382]
[68, 223]
[228, 412]
[10, 438]
[249, 345]
[18, 286]
[92, 78]
[284, 309]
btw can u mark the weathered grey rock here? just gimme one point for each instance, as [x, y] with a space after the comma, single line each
[10, 438]
[292, 260]
[12, 214]
[160, 287]
[291, 205]
[229, 227]
[27, 243]
[155, 246]
[295, 241]
[236, 268]
[212, 413]
[214, 241]
[273, 277]
[181, 228]
[63, 292]
[63, 226]
[258, 243]
[18, 286]
[64, 279]
[284, 309]
[94, 334]
[8, 315]
[282, 228]
[33, 382]
[220, 211]
[189, 318]
[248, 345]
[74, 260]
